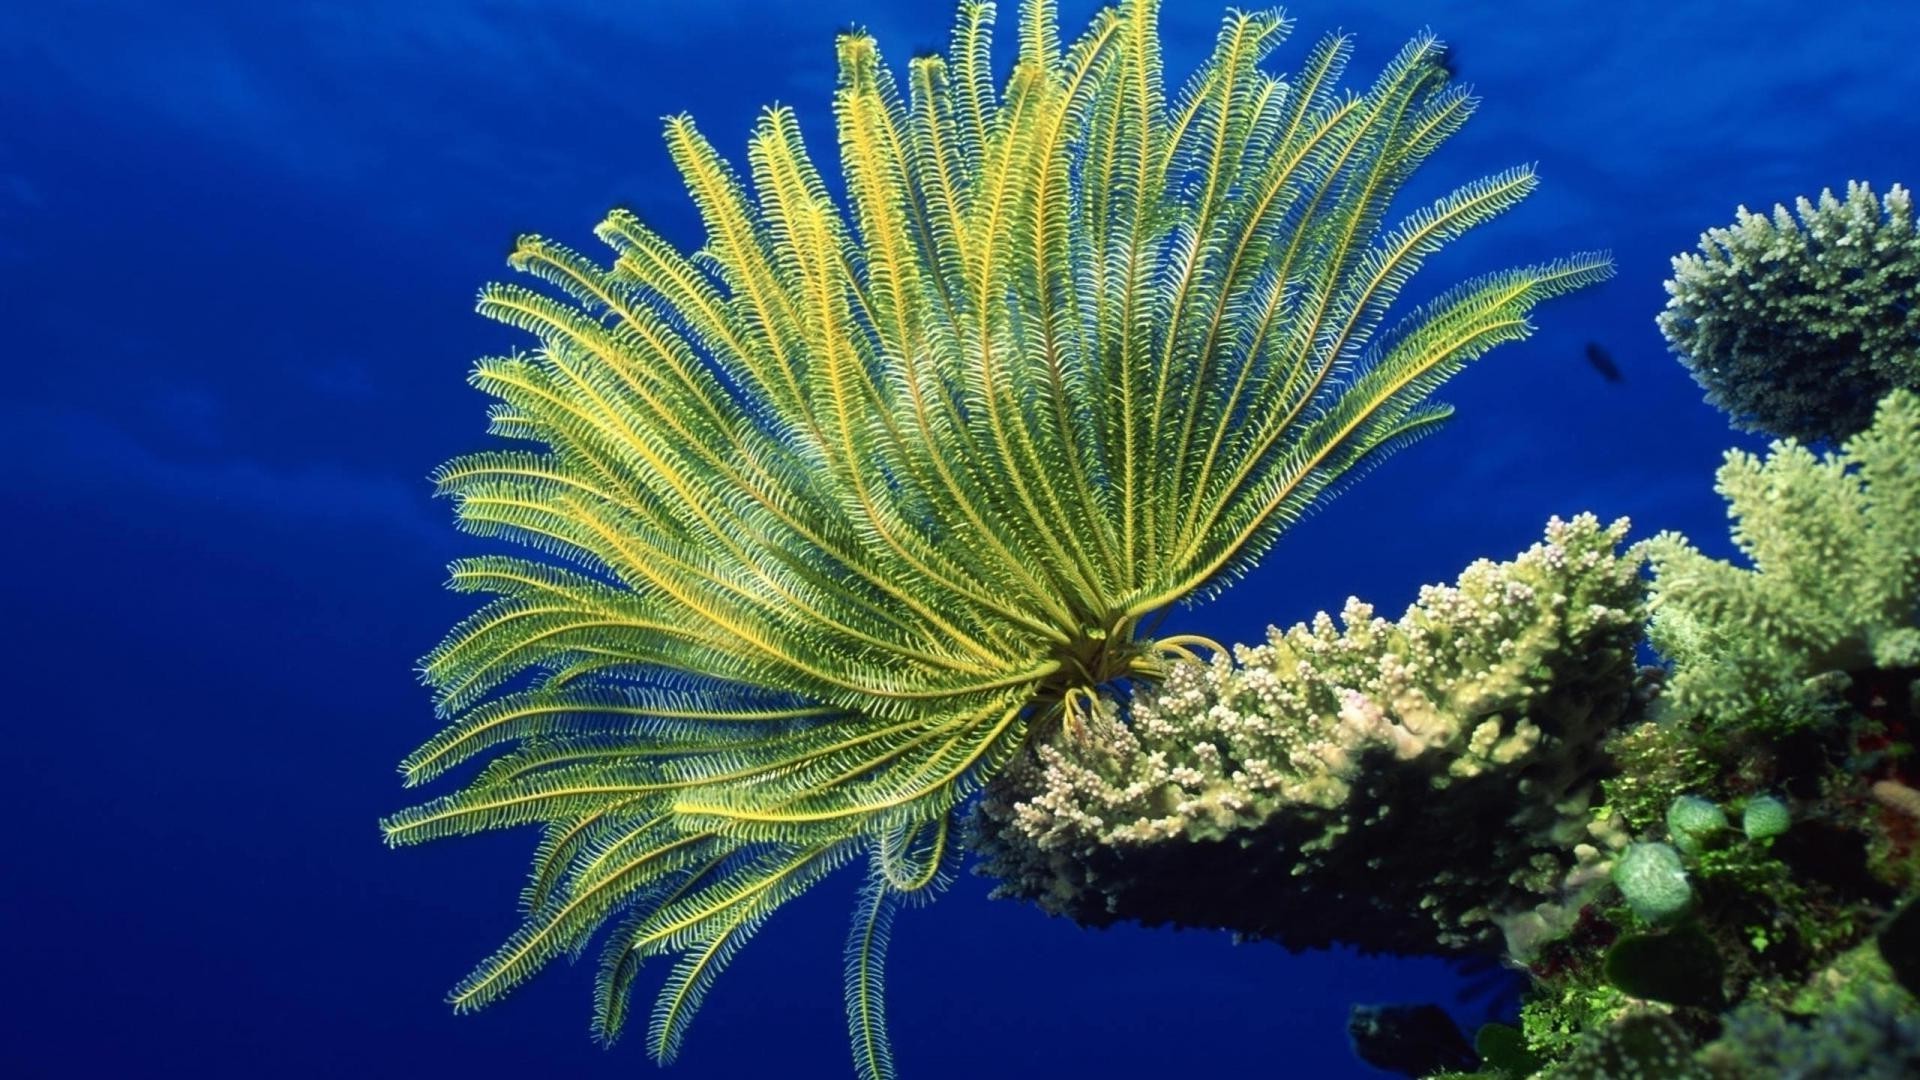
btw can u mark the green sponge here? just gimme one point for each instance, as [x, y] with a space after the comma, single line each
[1765, 817]
[1653, 882]
[1694, 823]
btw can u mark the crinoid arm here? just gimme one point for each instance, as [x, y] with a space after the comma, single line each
[833, 518]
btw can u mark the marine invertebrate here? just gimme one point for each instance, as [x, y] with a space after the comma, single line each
[849, 508]
[1872, 1032]
[1694, 823]
[1765, 817]
[1391, 785]
[1796, 327]
[1834, 589]
[1653, 881]
[1791, 676]
[1642, 1045]
[1897, 796]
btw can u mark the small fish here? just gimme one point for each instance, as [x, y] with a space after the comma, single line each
[1602, 362]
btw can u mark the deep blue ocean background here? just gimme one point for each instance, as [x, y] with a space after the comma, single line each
[239, 244]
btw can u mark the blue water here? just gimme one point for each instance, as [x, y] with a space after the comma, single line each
[238, 248]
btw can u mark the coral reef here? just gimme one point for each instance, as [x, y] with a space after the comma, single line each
[1388, 784]
[1700, 867]
[1642, 1045]
[1797, 327]
[1789, 708]
[1871, 1033]
[1828, 604]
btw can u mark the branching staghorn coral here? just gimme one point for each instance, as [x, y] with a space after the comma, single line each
[1393, 785]
[1833, 593]
[1797, 327]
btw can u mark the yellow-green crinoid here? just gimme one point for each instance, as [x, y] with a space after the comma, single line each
[836, 515]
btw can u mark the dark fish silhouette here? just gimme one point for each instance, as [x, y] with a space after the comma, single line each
[1602, 362]
[1412, 1040]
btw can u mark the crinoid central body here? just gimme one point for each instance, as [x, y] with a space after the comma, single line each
[834, 514]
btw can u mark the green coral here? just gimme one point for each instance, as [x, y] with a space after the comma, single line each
[1389, 784]
[1796, 327]
[1835, 545]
